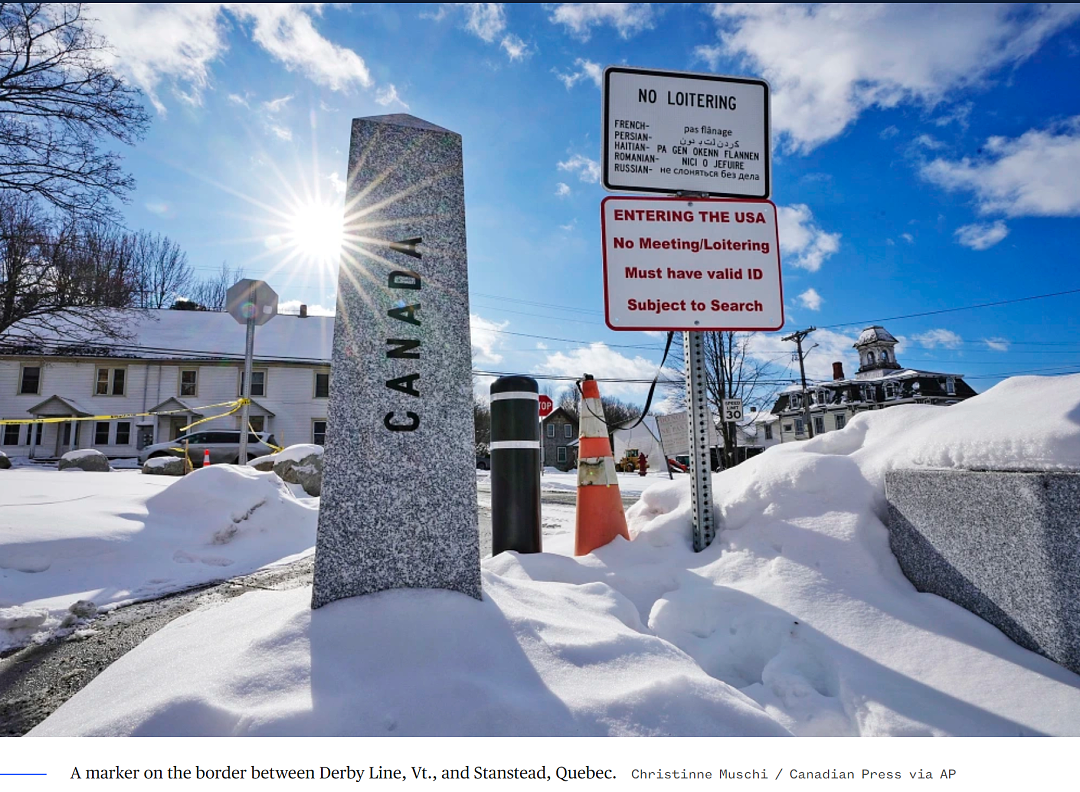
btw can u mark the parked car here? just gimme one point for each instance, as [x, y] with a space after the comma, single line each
[224, 446]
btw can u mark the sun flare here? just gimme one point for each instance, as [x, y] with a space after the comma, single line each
[315, 232]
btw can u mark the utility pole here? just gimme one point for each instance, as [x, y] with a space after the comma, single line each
[798, 337]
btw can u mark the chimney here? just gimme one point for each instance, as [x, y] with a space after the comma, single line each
[303, 311]
[837, 368]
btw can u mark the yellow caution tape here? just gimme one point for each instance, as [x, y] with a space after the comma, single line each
[236, 405]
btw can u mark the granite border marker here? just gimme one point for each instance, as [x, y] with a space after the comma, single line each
[398, 505]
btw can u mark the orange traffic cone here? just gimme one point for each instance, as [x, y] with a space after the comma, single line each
[206, 458]
[600, 516]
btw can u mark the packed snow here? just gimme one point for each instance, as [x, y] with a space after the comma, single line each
[797, 620]
[126, 537]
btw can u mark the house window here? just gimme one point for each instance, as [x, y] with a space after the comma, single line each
[884, 356]
[258, 423]
[560, 454]
[768, 431]
[11, 434]
[819, 424]
[110, 382]
[870, 358]
[31, 380]
[796, 401]
[258, 382]
[568, 430]
[840, 420]
[34, 436]
[799, 427]
[318, 432]
[189, 382]
[322, 384]
[101, 433]
[950, 386]
[123, 433]
[551, 430]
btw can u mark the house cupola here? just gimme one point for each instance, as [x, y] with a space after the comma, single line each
[876, 355]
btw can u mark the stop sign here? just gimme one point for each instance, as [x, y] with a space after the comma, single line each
[546, 406]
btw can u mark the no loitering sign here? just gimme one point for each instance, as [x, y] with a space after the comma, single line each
[674, 132]
[691, 264]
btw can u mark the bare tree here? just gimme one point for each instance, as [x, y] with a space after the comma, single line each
[57, 275]
[616, 411]
[59, 99]
[164, 274]
[210, 293]
[733, 372]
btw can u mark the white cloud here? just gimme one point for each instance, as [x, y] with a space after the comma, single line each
[888, 132]
[908, 238]
[175, 44]
[293, 307]
[811, 299]
[588, 170]
[237, 99]
[277, 105]
[484, 20]
[958, 115]
[890, 242]
[980, 236]
[160, 208]
[337, 183]
[828, 63]
[487, 21]
[485, 339]
[603, 362]
[1032, 175]
[515, 48]
[831, 347]
[282, 133]
[929, 142]
[585, 69]
[569, 226]
[388, 95]
[997, 344]
[541, 345]
[562, 190]
[580, 18]
[932, 339]
[802, 241]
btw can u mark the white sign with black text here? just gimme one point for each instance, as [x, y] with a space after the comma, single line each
[682, 264]
[677, 132]
[732, 409]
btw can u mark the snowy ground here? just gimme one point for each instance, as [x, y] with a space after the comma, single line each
[113, 538]
[796, 620]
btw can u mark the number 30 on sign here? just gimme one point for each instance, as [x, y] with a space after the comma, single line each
[733, 409]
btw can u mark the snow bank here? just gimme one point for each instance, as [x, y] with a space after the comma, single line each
[117, 539]
[797, 619]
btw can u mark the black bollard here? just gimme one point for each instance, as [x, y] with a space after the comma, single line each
[515, 465]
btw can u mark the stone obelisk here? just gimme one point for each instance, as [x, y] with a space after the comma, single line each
[399, 486]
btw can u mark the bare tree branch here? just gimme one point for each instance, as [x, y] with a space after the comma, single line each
[58, 99]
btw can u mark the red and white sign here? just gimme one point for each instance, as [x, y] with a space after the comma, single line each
[546, 406]
[691, 264]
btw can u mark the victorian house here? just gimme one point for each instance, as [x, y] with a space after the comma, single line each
[879, 382]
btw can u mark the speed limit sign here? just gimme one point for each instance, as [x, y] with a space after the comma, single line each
[732, 409]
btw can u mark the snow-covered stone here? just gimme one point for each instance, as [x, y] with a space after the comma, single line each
[263, 464]
[164, 466]
[303, 465]
[88, 459]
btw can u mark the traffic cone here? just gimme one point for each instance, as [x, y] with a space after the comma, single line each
[206, 457]
[600, 516]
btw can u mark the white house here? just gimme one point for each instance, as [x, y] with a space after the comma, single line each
[180, 362]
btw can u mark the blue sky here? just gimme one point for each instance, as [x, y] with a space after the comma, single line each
[925, 157]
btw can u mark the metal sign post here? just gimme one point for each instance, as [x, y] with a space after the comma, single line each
[700, 454]
[251, 303]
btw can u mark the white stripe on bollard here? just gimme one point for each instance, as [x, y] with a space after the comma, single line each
[515, 395]
[507, 445]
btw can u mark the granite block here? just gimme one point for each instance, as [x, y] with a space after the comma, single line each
[1004, 545]
[398, 503]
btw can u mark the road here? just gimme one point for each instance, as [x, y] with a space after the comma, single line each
[36, 680]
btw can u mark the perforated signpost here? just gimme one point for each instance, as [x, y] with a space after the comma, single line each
[707, 256]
